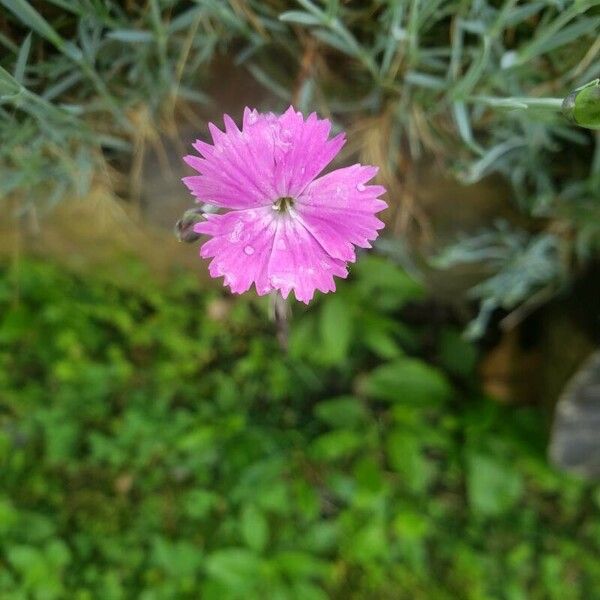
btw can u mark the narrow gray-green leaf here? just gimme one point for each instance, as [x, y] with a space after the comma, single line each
[297, 16]
[22, 57]
[32, 19]
[132, 36]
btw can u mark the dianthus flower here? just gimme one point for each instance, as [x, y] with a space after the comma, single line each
[284, 227]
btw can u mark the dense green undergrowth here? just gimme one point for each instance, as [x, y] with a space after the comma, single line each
[157, 443]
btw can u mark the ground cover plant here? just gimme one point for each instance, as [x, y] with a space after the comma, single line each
[160, 439]
[156, 442]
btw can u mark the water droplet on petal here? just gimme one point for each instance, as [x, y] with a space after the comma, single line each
[249, 250]
[361, 187]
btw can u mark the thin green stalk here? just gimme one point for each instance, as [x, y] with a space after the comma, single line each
[519, 102]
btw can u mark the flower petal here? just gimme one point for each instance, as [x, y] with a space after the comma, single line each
[298, 262]
[308, 239]
[339, 210]
[234, 173]
[240, 247]
[270, 158]
[273, 251]
[308, 152]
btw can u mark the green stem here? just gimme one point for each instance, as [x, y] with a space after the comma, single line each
[516, 102]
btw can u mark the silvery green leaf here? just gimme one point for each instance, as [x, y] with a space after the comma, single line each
[297, 16]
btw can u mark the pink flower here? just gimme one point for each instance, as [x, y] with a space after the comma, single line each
[285, 228]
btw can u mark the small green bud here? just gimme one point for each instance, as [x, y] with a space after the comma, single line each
[582, 106]
[184, 228]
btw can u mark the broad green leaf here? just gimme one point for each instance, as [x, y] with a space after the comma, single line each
[178, 558]
[368, 543]
[493, 486]
[408, 380]
[336, 328]
[342, 412]
[254, 527]
[405, 454]
[295, 563]
[236, 568]
[336, 444]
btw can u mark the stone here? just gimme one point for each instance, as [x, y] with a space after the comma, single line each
[575, 440]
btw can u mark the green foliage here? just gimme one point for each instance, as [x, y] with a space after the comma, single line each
[90, 80]
[477, 84]
[525, 265]
[152, 446]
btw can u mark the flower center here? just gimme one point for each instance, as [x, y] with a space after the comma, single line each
[282, 205]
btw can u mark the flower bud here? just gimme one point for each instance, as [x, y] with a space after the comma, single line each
[582, 106]
[184, 228]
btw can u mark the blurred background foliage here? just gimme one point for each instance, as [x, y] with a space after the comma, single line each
[156, 442]
[467, 87]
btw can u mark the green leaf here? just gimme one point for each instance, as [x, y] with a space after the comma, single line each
[382, 343]
[342, 412]
[254, 527]
[336, 327]
[408, 380]
[385, 284]
[131, 36]
[178, 558]
[236, 568]
[303, 18]
[198, 503]
[305, 590]
[336, 444]
[21, 63]
[424, 80]
[493, 487]
[32, 19]
[9, 515]
[295, 563]
[405, 454]
[311, 7]
[368, 543]
[410, 524]
[336, 41]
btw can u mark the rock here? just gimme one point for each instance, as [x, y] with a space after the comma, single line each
[575, 442]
